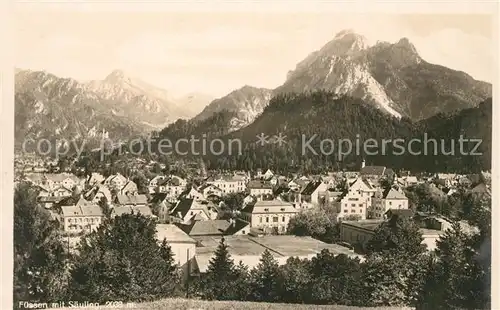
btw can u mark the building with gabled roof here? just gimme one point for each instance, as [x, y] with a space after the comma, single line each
[269, 215]
[95, 178]
[389, 199]
[210, 190]
[310, 193]
[192, 193]
[188, 210]
[81, 217]
[229, 183]
[129, 188]
[131, 200]
[115, 181]
[260, 187]
[97, 193]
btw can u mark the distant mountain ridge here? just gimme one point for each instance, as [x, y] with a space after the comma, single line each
[117, 106]
[323, 116]
[247, 103]
[393, 77]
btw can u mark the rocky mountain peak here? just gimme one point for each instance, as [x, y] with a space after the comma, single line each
[346, 42]
[116, 76]
[406, 44]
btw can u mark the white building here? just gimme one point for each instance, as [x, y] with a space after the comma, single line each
[390, 199]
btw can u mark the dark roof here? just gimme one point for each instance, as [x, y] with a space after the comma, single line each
[206, 185]
[259, 184]
[372, 170]
[205, 228]
[248, 208]
[237, 225]
[310, 188]
[389, 172]
[183, 206]
[400, 213]
[446, 190]
[158, 197]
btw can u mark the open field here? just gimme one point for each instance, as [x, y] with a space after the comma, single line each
[190, 304]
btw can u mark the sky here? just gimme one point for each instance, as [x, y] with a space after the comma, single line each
[217, 52]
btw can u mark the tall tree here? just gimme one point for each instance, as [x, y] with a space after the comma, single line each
[296, 281]
[458, 279]
[219, 281]
[266, 278]
[335, 279]
[397, 235]
[123, 260]
[39, 254]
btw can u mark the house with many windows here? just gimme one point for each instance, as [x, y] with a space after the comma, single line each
[81, 217]
[173, 186]
[356, 200]
[269, 215]
[209, 190]
[229, 184]
[260, 187]
[389, 199]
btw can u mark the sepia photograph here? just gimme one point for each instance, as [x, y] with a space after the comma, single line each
[252, 155]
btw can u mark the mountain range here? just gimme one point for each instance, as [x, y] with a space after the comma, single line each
[118, 106]
[390, 76]
[317, 116]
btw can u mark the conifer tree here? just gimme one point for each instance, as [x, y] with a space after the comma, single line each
[266, 279]
[40, 256]
[219, 281]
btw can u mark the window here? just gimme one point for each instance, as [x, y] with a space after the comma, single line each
[260, 220]
[267, 219]
[275, 219]
[283, 219]
[353, 205]
[361, 205]
[360, 210]
[243, 232]
[352, 211]
[390, 203]
[345, 210]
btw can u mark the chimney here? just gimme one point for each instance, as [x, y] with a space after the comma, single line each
[231, 222]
